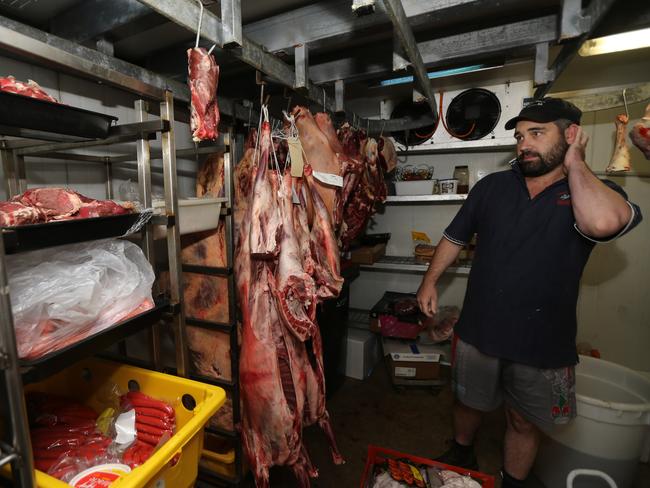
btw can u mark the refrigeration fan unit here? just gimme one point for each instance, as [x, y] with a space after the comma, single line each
[414, 110]
[473, 114]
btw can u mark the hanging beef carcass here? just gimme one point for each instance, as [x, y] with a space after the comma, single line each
[324, 246]
[621, 158]
[266, 224]
[272, 413]
[294, 287]
[203, 77]
[324, 122]
[640, 133]
[319, 154]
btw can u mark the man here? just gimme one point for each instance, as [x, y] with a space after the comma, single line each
[536, 225]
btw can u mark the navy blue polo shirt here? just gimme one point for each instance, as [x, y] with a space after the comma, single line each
[522, 292]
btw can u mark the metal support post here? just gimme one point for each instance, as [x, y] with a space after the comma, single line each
[12, 185]
[173, 234]
[339, 94]
[572, 22]
[143, 155]
[22, 465]
[302, 66]
[231, 23]
[108, 167]
[543, 74]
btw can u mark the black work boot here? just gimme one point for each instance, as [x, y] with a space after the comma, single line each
[459, 455]
[510, 482]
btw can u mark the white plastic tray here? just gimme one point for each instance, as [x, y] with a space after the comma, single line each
[195, 215]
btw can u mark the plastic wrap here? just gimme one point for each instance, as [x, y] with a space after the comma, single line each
[440, 327]
[64, 294]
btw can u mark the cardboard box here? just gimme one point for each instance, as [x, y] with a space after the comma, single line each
[362, 353]
[368, 254]
[412, 361]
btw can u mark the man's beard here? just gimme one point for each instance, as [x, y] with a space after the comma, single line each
[545, 163]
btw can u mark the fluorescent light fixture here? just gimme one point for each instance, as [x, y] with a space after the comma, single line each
[441, 74]
[625, 41]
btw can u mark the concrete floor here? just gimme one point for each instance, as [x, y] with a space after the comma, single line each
[413, 420]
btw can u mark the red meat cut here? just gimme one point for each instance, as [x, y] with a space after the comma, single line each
[203, 78]
[15, 213]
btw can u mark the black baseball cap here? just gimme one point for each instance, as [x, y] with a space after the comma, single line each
[545, 110]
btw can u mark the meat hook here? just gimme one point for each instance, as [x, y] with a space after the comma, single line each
[627, 113]
[198, 29]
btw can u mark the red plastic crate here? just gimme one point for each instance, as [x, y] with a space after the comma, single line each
[378, 455]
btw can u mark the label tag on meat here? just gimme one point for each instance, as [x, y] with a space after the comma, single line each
[294, 196]
[295, 153]
[329, 178]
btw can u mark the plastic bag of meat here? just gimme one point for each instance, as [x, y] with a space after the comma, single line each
[440, 327]
[62, 295]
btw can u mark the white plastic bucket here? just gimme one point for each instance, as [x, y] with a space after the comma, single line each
[609, 432]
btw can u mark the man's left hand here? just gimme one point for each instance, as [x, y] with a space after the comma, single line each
[575, 155]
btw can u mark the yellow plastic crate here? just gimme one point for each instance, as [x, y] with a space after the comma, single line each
[86, 381]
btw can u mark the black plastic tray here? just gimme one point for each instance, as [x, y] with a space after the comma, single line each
[37, 236]
[49, 364]
[41, 115]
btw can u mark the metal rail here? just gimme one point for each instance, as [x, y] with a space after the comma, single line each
[403, 32]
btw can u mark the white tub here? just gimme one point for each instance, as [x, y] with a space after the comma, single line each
[194, 215]
[609, 432]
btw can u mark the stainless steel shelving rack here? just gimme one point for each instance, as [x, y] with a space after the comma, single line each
[14, 372]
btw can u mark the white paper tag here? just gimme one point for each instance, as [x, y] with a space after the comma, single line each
[125, 428]
[329, 178]
[294, 196]
[404, 372]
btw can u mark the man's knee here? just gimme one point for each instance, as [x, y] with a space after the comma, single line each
[518, 423]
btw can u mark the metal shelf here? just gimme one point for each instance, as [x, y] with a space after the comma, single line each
[38, 236]
[408, 264]
[426, 198]
[38, 369]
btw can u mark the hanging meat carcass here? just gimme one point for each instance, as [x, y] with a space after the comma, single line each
[319, 154]
[387, 154]
[324, 248]
[324, 122]
[203, 77]
[621, 158]
[266, 224]
[295, 289]
[640, 133]
[281, 376]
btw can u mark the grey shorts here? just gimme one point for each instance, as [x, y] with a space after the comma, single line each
[545, 397]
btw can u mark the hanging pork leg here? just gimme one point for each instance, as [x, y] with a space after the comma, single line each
[621, 158]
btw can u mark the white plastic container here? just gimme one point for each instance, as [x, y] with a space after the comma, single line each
[362, 353]
[420, 187]
[195, 215]
[609, 432]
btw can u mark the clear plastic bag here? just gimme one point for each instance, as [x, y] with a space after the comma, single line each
[62, 295]
[440, 327]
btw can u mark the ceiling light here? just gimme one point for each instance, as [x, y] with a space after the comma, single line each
[617, 42]
[441, 73]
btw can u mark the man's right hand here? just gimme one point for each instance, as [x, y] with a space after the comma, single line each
[428, 298]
